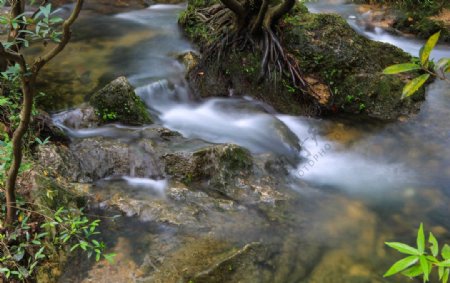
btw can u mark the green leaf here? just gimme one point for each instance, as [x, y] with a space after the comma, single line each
[432, 259]
[428, 47]
[446, 252]
[442, 65]
[441, 270]
[445, 263]
[46, 10]
[421, 239]
[434, 248]
[413, 271]
[56, 20]
[403, 248]
[401, 265]
[425, 268]
[74, 247]
[414, 85]
[400, 68]
[4, 101]
[445, 276]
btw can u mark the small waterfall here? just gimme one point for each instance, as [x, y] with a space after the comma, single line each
[141, 154]
[164, 94]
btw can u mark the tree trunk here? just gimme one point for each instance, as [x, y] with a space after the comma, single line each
[28, 86]
[28, 89]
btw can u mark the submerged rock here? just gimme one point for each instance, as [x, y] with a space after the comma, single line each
[342, 67]
[237, 266]
[117, 102]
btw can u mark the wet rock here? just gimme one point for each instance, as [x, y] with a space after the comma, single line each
[155, 210]
[78, 118]
[219, 164]
[58, 161]
[117, 102]
[49, 193]
[92, 159]
[44, 127]
[341, 65]
[189, 59]
[242, 265]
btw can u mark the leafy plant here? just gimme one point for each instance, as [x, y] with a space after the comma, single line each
[419, 262]
[424, 63]
[42, 142]
[30, 243]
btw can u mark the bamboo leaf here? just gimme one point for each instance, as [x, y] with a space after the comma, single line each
[425, 268]
[442, 65]
[445, 263]
[400, 68]
[421, 239]
[401, 265]
[413, 271]
[434, 245]
[403, 248]
[446, 252]
[428, 47]
[414, 85]
[445, 276]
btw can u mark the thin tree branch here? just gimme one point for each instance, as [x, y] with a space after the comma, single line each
[17, 8]
[67, 33]
[11, 55]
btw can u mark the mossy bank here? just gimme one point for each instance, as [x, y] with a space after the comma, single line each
[343, 67]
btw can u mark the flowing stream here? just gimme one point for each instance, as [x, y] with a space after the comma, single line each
[360, 182]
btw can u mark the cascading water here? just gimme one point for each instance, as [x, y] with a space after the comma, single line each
[367, 171]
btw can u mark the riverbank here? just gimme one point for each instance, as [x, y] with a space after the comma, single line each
[421, 22]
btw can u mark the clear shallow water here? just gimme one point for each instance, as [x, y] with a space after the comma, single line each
[360, 184]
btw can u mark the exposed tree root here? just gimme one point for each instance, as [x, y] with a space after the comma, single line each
[233, 32]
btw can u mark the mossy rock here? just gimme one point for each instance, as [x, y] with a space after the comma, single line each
[423, 27]
[117, 102]
[48, 194]
[351, 65]
[344, 67]
[220, 164]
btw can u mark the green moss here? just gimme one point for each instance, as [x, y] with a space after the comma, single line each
[423, 27]
[235, 158]
[327, 50]
[117, 102]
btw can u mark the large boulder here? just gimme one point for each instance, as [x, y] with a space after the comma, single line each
[117, 102]
[343, 68]
[92, 159]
